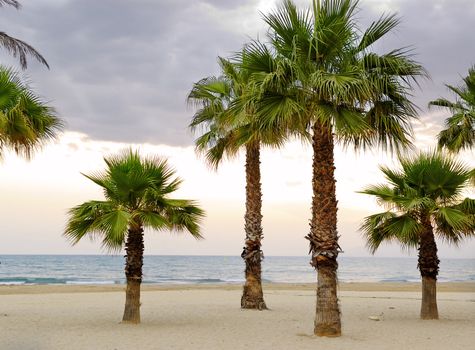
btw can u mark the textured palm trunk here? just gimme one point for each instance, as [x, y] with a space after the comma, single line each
[323, 235]
[252, 296]
[134, 248]
[428, 264]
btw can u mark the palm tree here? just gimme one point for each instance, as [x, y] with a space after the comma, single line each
[222, 137]
[26, 122]
[348, 94]
[423, 199]
[136, 194]
[460, 127]
[17, 47]
[228, 124]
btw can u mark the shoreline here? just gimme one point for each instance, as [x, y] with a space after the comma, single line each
[442, 287]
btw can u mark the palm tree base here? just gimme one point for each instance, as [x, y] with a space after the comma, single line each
[252, 295]
[253, 304]
[327, 331]
[130, 322]
[252, 299]
[132, 303]
[327, 316]
[429, 309]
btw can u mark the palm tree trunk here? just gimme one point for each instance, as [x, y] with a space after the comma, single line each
[134, 248]
[428, 264]
[252, 296]
[323, 235]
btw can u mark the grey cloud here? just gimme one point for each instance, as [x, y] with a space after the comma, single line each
[228, 4]
[120, 70]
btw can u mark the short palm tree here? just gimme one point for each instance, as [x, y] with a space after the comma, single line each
[228, 125]
[460, 127]
[17, 47]
[137, 196]
[26, 122]
[348, 94]
[423, 199]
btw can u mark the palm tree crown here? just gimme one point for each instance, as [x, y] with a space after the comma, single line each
[227, 115]
[213, 97]
[343, 83]
[428, 184]
[136, 193]
[26, 122]
[460, 127]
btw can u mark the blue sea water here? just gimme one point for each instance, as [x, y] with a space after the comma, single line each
[109, 269]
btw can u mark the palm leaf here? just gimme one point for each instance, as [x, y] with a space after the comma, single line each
[387, 226]
[13, 3]
[460, 132]
[26, 122]
[378, 29]
[20, 49]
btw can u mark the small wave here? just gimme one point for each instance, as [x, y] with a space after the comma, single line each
[210, 280]
[11, 283]
[31, 280]
[92, 282]
[396, 280]
[187, 280]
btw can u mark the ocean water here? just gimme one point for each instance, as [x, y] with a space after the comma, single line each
[109, 269]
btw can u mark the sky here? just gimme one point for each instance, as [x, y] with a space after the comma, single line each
[120, 73]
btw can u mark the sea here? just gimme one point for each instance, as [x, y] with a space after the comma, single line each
[109, 269]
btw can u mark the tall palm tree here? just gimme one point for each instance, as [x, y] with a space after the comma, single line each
[348, 94]
[26, 122]
[17, 47]
[423, 199]
[460, 127]
[137, 196]
[228, 125]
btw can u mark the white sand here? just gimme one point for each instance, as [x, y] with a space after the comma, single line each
[199, 318]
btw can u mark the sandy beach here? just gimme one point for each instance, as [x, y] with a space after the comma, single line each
[209, 317]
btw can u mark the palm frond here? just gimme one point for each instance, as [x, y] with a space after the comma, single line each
[388, 226]
[185, 215]
[454, 218]
[113, 226]
[153, 219]
[26, 122]
[20, 49]
[83, 220]
[13, 3]
[460, 131]
[290, 29]
[384, 194]
[378, 29]
[454, 225]
[444, 103]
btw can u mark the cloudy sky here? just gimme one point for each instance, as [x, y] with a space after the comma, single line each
[120, 73]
